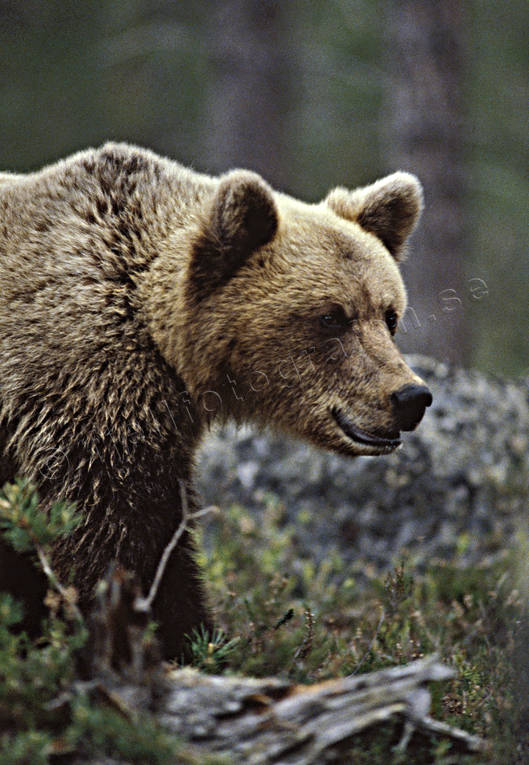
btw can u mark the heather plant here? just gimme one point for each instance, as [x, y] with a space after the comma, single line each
[311, 622]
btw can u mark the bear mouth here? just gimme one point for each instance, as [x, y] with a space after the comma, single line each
[382, 444]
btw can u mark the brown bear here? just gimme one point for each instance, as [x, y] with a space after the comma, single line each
[140, 301]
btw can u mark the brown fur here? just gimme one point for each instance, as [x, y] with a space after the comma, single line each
[139, 301]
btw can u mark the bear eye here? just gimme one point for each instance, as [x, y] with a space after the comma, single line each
[335, 320]
[392, 320]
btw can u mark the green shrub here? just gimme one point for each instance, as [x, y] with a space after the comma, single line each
[45, 709]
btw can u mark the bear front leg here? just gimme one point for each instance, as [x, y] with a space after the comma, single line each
[8, 469]
[180, 605]
[133, 531]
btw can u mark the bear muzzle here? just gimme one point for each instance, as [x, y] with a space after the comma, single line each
[378, 442]
[409, 404]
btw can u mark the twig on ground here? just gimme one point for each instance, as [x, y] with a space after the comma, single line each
[65, 593]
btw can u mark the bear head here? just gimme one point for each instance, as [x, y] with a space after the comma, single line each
[287, 312]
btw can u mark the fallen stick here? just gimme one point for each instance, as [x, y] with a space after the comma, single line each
[261, 722]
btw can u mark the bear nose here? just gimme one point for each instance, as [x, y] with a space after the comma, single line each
[409, 404]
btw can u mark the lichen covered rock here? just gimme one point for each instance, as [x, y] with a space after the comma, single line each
[458, 487]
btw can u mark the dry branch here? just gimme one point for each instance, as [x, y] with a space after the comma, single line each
[144, 604]
[270, 721]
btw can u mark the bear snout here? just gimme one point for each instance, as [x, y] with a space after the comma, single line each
[409, 404]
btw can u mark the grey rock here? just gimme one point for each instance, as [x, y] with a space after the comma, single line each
[458, 488]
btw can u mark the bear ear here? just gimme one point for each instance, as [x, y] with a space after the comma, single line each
[389, 208]
[243, 217]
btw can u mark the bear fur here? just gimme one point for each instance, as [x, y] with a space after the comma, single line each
[140, 301]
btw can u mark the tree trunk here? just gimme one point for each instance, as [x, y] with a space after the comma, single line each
[249, 91]
[424, 133]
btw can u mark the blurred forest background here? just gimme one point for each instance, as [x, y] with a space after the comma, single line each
[311, 94]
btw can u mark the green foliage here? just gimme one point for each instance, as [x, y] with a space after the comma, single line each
[281, 615]
[25, 525]
[210, 652]
[96, 730]
[44, 708]
[310, 622]
[32, 746]
[248, 576]
[31, 676]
